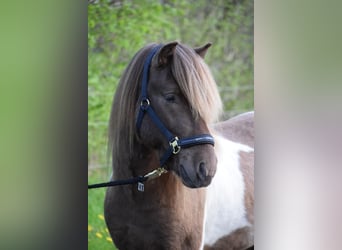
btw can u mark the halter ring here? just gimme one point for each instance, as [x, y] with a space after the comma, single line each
[145, 103]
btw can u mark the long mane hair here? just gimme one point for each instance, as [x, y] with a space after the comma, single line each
[196, 84]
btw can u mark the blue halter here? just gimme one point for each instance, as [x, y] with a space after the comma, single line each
[175, 144]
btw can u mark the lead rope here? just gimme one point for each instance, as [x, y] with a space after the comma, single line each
[135, 180]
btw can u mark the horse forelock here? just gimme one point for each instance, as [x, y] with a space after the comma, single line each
[196, 83]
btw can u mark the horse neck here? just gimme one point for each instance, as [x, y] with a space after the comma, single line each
[141, 161]
[165, 200]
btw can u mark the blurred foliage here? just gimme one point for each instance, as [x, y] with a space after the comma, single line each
[118, 29]
[98, 235]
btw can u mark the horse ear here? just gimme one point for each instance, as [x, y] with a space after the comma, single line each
[166, 52]
[201, 51]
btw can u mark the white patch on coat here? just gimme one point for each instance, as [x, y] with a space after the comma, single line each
[225, 209]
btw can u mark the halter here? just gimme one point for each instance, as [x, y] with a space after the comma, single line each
[175, 144]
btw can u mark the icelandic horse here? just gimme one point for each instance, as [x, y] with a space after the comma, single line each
[164, 116]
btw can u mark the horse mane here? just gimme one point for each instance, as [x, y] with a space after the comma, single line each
[196, 83]
[194, 79]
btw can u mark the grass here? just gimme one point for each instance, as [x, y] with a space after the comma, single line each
[98, 235]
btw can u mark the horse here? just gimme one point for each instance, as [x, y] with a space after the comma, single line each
[164, 120]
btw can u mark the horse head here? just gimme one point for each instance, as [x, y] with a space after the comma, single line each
[184, 96]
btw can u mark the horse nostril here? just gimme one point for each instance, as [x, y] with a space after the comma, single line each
[202, 171]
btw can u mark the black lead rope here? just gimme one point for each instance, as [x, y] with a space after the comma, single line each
[135, 180]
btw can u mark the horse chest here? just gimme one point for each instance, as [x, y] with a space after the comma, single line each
[137, 225]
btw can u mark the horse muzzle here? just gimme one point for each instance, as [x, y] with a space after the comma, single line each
[197, 176]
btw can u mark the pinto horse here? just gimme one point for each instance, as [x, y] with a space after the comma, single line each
[163, 120]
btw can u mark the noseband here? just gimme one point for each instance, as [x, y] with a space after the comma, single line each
[175, 144]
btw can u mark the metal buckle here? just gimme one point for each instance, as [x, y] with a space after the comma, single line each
[174, 144]
[141, 187]
[156, 173]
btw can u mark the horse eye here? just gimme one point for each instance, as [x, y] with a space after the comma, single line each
[170, 98]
